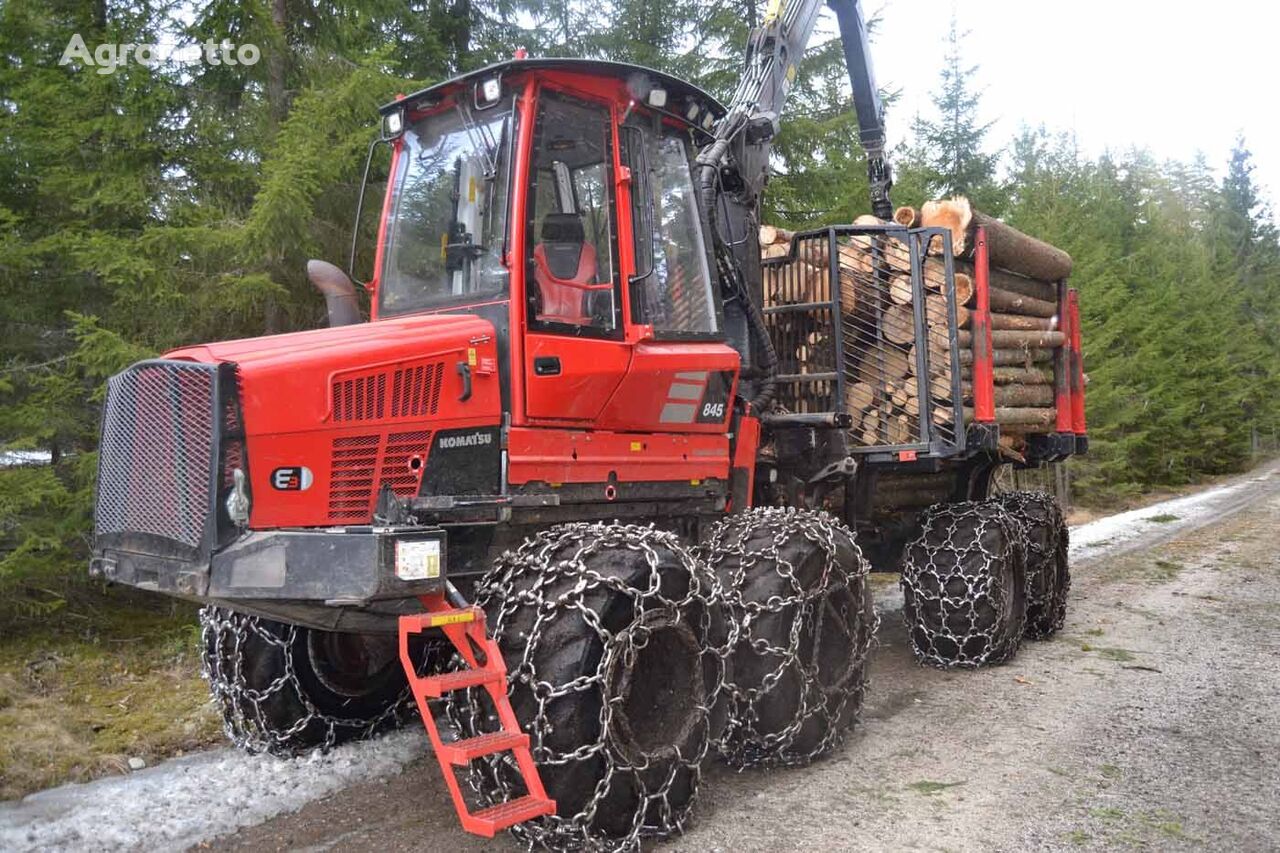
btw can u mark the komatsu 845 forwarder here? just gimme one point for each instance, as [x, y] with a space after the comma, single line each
[592, 486]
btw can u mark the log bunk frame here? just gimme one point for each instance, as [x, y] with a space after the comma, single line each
[999, 357]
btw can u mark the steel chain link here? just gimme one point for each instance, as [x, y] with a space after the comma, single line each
[823, 700]
[1046, 543]
[554, 574]
[958, 607]
[247, 721]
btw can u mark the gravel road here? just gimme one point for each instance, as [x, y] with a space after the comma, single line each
[1152, 720]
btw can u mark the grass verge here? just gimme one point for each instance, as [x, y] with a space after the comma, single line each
[87, 689]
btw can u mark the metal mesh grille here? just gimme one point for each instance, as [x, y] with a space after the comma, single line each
[870, 365]
[360, 399]
[879, 324]
[416, 390]
[799, 313]
[886, 389]
[156, 465]
[398, 467]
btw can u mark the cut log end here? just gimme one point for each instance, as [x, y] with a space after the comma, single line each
[953, 214]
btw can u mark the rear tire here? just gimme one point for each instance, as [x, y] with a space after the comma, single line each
[797, 588]
[964, 585]
[284, 689]
[1048, 575]
[614, 638]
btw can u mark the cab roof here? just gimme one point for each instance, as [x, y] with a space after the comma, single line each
[639, 79]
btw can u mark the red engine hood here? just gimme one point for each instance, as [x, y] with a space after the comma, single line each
[328, 378]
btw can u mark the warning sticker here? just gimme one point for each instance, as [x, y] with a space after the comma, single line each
[418, 560]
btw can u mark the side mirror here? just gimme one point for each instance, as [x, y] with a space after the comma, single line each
[339, 292]
[357, 248]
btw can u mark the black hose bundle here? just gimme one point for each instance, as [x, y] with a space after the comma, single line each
[708, 171]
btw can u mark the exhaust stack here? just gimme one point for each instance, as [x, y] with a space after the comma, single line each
[339, 292]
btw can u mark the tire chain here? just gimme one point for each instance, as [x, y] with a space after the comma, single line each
[1030, 507]
[948, 570]
[744, 744]
[498, 594]
[246, 722]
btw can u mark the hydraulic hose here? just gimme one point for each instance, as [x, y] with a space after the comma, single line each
[708, 162]
[768, 384]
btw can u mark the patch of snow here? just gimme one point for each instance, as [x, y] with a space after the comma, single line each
[1098, 537]
[184, 801]
[15, 458]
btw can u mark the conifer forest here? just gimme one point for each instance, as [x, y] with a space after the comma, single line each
[172, 203]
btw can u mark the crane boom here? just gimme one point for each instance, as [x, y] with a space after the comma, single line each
[774, 51]
[866, 103]
[733, 167]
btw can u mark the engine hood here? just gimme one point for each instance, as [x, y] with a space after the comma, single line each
[385, 371]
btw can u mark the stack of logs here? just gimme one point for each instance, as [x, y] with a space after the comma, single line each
[882, 384]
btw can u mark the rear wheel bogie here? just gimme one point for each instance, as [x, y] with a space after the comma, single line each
[964, 585]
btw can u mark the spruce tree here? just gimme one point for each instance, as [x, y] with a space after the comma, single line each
[953, 143]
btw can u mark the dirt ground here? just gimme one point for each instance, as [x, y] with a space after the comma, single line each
[1151, 721]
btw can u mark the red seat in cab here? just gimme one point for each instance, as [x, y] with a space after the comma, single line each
[565, 270]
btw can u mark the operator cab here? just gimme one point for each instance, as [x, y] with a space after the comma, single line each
[556, 199]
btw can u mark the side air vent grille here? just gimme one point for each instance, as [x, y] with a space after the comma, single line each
[360, 399]
[354, 460]
[402, 462]
[398, 458]
[414, 392]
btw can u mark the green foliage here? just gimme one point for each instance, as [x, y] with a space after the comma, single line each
[162, 205]
[949, 154]
[1182, 376]
[159, 206]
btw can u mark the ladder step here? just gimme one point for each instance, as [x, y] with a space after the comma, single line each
[462, 751]
[438, 685]
[489, 821]
[420, 622]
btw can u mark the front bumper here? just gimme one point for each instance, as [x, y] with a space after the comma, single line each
[342, 567]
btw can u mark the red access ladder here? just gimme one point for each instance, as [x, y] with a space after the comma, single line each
[465, 628]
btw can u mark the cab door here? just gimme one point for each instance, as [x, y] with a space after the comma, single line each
[575, 350]
[682, 374]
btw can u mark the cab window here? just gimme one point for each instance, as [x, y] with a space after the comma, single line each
[572, 282]
[448, 214]
[673, 289]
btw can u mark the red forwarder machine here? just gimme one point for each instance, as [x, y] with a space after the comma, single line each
[569, 487]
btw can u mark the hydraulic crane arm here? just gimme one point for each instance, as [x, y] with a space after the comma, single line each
[774, 50]
[732, 169]
[866, 103]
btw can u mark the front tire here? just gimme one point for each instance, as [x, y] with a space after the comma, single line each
[797, 588]
[614, 637]
[284, 689]
[964, 585]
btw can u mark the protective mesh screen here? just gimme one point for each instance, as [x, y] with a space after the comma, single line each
[155, 465]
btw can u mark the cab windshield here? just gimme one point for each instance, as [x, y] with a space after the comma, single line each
[448, 212]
